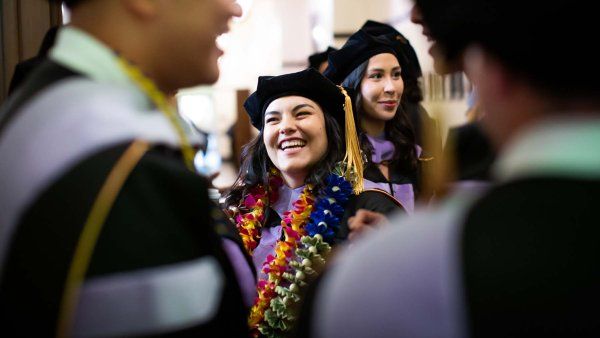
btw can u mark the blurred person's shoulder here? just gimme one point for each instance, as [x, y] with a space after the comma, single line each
[400, 275]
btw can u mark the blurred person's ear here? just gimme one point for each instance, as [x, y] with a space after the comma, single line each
[508, 99]
[488, 75]
[474, 64]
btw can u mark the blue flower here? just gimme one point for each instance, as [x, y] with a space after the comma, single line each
[328, 233]
[331, 205]
[329, 209]
[338, 188]
[323, 221]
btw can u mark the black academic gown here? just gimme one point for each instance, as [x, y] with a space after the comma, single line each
[162, 219]
[22, 70]
[530, 255]
[471, 151]
[397, 183]
[372, 200]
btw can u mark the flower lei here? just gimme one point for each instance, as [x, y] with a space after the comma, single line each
[309, 229]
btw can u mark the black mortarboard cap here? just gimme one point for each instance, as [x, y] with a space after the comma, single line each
[360, 47]
[308, 83]
[316, 59]
[411, 68]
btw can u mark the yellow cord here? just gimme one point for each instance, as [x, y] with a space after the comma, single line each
[160, 101]
[90, 233]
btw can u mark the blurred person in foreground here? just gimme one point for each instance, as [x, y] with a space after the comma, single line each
[106, 228]
[468, 150]
[519, 259]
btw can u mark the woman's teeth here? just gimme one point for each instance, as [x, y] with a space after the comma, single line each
[292, 144]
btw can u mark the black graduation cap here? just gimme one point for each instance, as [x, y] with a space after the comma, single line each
[308, 83]
[316, 59]
[412, 68]
[360, 47]
[333, 99]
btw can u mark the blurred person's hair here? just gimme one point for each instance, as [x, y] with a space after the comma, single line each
[546, 44]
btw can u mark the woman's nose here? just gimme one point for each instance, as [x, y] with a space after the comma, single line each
[287, 126]
[285, 130]
[390, 86]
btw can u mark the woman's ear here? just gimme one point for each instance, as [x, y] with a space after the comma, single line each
[143, 9]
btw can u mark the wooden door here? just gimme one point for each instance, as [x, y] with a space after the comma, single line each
[23, 24]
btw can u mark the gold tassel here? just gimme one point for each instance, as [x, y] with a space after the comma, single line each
[353, 157]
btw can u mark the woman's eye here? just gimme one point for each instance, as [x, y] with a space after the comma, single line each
[302, 113]
[397, 74]
[271, 119]
[375, 76]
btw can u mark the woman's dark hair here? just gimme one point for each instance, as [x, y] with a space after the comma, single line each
[255, 166]
[398, 130]
[412, 90]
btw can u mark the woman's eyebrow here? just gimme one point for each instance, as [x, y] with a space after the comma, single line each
[273, 112]
[300, 106]
[382, 70]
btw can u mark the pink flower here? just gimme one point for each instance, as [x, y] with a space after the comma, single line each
[293, 234]
[249, 201]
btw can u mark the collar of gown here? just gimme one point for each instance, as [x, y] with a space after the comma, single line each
[287, 197]
[383, 150]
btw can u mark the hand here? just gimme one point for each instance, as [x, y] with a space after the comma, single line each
[364, 221]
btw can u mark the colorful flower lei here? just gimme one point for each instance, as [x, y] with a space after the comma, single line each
[249, 224]
[309, 229]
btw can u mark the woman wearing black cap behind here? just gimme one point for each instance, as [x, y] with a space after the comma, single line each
[296, 180]
[425, 127]
[372, 67]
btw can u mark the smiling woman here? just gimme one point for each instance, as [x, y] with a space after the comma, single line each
[295, 190]
[372, 63]
[298, 178]
[288, 201]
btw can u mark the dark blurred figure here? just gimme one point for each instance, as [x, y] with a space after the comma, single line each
[521, 258]
[106, 227]
[469, 150]
[24, 68]
[318, 60]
